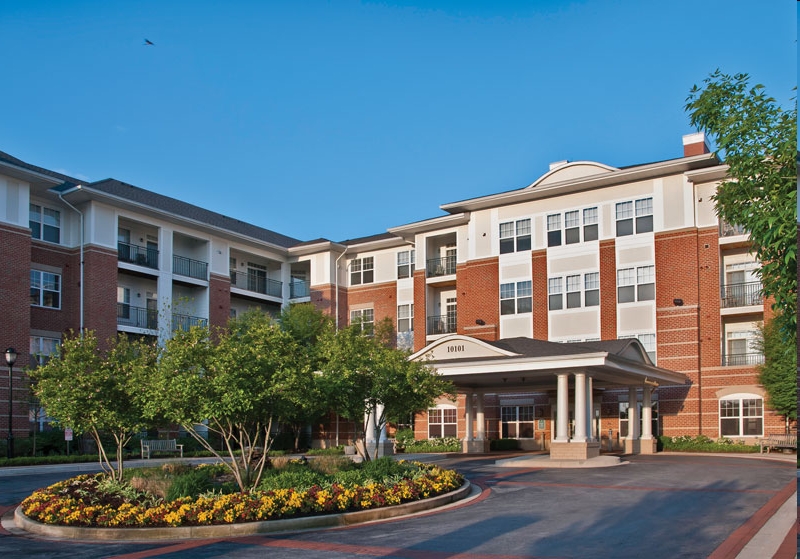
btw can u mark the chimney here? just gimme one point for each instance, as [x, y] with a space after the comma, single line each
[695, 144]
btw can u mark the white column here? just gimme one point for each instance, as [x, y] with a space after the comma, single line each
[369, 434]
[286, 278]
[562, 408]
[468, 416]
[480, 419]
[379, 412]
[590, 410]
[633, 414]
[580, 407]
[647, 414]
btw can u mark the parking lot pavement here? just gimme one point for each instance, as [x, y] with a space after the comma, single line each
[667, 505]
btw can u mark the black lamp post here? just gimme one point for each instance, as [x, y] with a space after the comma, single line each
[11, 358]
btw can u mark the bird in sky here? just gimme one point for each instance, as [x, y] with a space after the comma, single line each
[148, 42]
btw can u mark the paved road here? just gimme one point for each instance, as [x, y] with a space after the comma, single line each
[670, 506]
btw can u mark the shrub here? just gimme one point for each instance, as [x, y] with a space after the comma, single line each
[702, 443]
[189, 484]
[404, 438]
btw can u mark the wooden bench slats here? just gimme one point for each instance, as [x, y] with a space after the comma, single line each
[778, 441]
[160, 445]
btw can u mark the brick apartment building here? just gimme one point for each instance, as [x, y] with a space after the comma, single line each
[554, 307]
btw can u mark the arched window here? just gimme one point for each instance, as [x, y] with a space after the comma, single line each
[741, 415]
[442, 421]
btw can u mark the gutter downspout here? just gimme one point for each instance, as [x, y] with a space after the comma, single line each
[80, 213]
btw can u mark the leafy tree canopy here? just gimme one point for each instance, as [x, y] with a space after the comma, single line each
[758, 141]
[778, 374]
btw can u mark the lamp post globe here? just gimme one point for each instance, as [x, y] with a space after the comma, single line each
[11, 358]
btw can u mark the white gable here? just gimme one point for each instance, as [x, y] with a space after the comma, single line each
[572, 171]
[459, 347]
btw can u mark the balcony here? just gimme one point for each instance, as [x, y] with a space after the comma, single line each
[728, 230]
[185, 322]
[189, 268]
[739, 359]
[299, 289]
[437, 267]
[256, 283]
[741, 294]
[136, 317]
[445, 324]
[135, 254]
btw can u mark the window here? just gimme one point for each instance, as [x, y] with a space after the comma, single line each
[590, 232]
[642, 210]
[41, 348]
[123, 303]
[572, 227]
[741, 415]
[365, 318]
[442, 422]
[515, 236]
[405, 264]
[361, 271]
[45, 224]
[636, 284]
[45, 289]
[573, 291]
[517, 422]
[405, 318]
[516, 298]
[591, 287]
[554, 230]
[554, 294]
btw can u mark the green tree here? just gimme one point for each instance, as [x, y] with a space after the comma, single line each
[366, 380]
[94, 391]
[229, 381]
[758, 141]
[778, 374]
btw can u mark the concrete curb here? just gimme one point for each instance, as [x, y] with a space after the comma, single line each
[242, 529]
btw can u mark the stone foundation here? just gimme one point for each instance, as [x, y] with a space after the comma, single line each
[574, 450]
[475, 447]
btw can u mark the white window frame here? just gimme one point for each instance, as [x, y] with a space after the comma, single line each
[519, 295]
[40, 224]
[365, 319]
[515, 236]
[362, 270]
[555, 291]
[744, 402]
[576, 287]
[42, 347]
[445, 419]
[38, 282]
[591, 286]
[641, 279]
[635, 216]
[405, 317]
[554, 234]
[520, 416]
[405, 264]
[591, 231]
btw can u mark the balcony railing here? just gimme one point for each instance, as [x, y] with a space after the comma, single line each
[436, 267]
[256, 283]
[136, 317]
[183, 266]
[738, 359]
[299, 289]
[728, 230]
[741, 294]
[445, 324]
[135, 254]
[184, 322]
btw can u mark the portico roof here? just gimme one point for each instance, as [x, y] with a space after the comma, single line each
[516, 364]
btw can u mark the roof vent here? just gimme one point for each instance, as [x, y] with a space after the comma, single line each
[557, 164]
[695, 144]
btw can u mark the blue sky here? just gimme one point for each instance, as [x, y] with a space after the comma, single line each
[341, 119]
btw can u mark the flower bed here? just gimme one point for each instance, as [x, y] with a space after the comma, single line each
[73, 502]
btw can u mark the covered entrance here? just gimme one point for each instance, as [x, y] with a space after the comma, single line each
[573, 373]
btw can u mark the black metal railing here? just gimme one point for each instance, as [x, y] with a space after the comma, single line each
[737, 359]
[741, 294]
[436, 267]
[135, 254]
[257, 283]
[299, 289]
[183, 266]
[445, 324]
[136, 317]
[184, 322]
[728, 230]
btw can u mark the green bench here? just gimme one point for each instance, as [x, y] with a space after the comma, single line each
[160, 445]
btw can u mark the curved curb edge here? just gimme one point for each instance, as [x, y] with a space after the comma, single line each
[242, 529]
